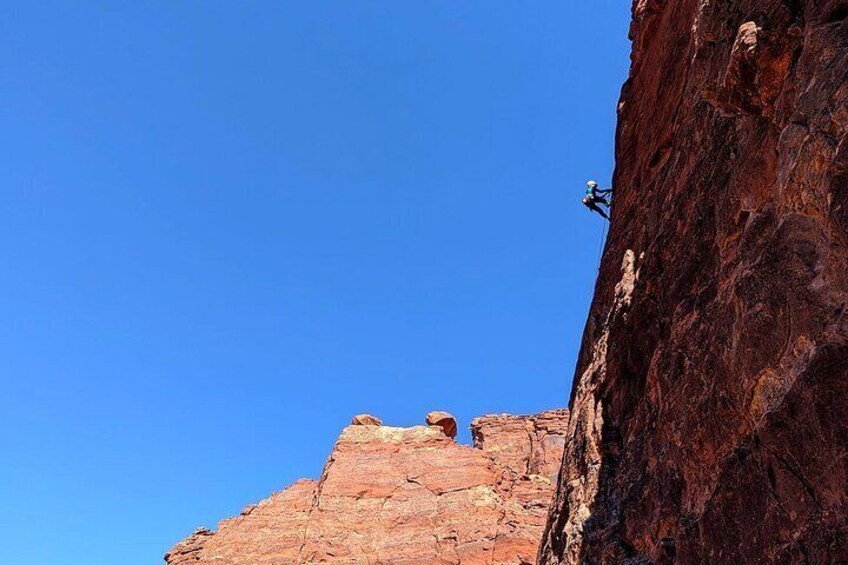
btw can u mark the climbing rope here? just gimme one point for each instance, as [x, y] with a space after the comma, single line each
[601, 244]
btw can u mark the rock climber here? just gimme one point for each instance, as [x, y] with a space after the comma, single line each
[595, 196]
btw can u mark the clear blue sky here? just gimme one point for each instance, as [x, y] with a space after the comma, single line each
[226, 227]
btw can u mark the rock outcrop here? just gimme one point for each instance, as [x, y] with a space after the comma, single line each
[404, 496]
[443, 421]
[710, 398]
[365, 420]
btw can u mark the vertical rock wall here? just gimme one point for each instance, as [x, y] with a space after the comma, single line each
[710, 403]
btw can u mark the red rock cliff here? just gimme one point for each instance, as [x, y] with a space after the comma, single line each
[405, 496]
[710, 399]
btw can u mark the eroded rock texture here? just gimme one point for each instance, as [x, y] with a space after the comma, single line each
[404, 496]
[710, 400]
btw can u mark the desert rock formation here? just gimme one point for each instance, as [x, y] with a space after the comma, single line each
[710, 398]
[365, 420]
[444, 421]
[404, 496]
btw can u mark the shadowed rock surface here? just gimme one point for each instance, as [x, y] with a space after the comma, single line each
[444, 421]
[405, 496]
[709, 403]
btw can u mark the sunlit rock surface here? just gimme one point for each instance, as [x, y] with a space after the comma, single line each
[406, 496]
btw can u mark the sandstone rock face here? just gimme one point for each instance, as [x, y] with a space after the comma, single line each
[442, 420]
[366, 420]
[531, 446]
[710, 399]
[405, 496]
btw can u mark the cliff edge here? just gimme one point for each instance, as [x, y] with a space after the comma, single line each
[406, 496]
[710, 398]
